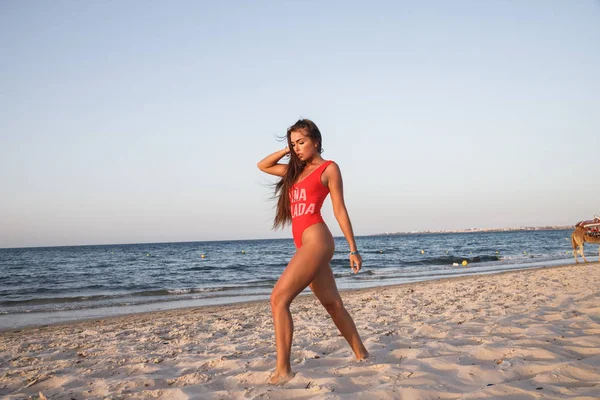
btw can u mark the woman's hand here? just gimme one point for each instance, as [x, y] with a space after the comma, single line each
[355, 262]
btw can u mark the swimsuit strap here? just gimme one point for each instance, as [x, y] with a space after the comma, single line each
[323, 166]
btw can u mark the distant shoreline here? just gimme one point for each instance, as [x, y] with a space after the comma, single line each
[470, 230]
[481, 230]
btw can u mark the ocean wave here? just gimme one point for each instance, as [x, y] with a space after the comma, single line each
[452, 259]
[232, 267]
[163, 293]
[73, 306]
[350, 273]
[55, 300]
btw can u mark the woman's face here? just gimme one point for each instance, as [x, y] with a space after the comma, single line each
[304, 147]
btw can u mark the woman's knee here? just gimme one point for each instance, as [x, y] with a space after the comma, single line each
[279, 300]
[334, 307]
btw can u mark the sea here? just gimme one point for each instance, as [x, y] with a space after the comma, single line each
[47, 285]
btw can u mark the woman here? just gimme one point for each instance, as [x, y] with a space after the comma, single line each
[305, 182]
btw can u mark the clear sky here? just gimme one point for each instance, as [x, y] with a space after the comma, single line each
[143, 121]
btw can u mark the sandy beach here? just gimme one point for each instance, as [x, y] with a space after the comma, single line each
[531, 334]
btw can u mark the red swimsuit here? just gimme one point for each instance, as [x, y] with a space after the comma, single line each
[307, 198]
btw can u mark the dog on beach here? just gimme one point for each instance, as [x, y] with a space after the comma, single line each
[585, 231]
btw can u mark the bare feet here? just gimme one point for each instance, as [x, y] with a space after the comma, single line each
[361, 352]
[362, 356]
[280, 378]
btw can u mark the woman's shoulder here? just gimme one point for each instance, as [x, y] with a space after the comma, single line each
[331, 165]
[327, 163]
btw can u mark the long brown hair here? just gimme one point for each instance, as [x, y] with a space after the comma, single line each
[283, 214]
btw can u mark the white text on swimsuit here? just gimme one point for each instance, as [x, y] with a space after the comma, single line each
[298, 208]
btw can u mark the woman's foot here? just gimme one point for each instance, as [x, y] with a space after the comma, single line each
[280, 378]
[361, 353]
[362, 356]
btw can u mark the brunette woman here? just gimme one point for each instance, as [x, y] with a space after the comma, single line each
[306, 180]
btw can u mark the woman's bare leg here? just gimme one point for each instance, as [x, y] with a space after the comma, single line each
[325, 289]
[299, 273]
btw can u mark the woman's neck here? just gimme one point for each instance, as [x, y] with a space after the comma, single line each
[316, 160]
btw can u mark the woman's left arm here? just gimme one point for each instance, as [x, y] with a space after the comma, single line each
[336, 190]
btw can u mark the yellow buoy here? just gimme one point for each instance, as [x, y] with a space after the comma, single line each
[243, 251]
[148, 255]
[381, 251]
[524, 252]
[464, 263]
[496, 252]
[422, 251]
[202, 256]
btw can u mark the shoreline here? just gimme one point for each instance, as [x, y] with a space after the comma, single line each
[213, 307]
[249, 302]
[481, 230]
[531, 333]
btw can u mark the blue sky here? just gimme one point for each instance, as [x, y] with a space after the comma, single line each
[128, 122]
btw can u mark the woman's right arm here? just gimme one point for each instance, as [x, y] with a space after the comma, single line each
[269, 163]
